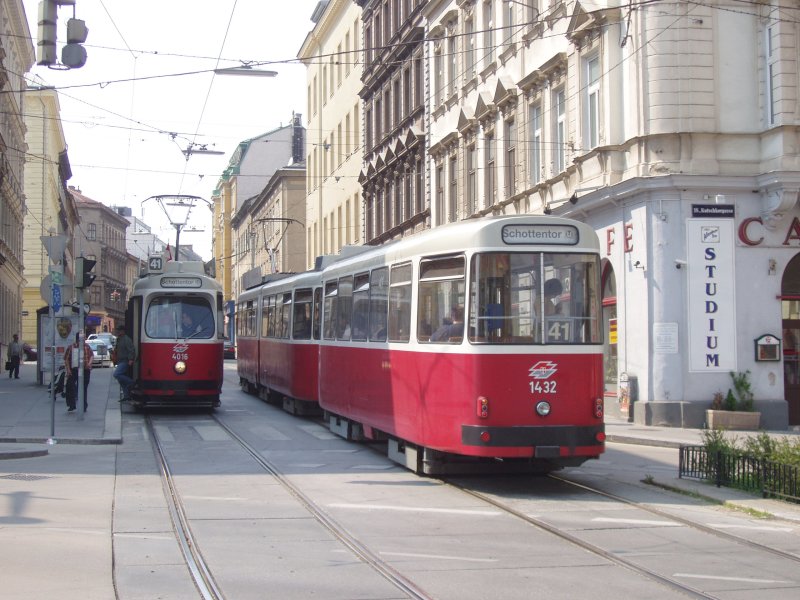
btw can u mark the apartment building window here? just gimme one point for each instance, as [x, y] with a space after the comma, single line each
[378, 115]
[369, 200]
[439, 194]
[379, 211]
[387, 107]
[408, 196]
[406, 92]
[315, 94]
[340, 145]
[535, 137]
[771, 54]
[489, 163]
[348, 142]
[592, 108]
[91, 232]
[488, 31]
[368, 124]
[348, 58]
[452, 61]
[376, 42]
[398, 200]
[452, 204]
[387, 23]
[470, 70]
[419, 82]
[324, 85]
[368, 43]
[509, 7]
[472, 179]
[356, 133]
[419, 192]
[559, 131]
[397, 97]
[387, 205]
[511, 157]
[339, 59]
[438, 73]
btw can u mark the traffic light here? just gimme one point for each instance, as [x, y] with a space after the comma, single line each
[46, 46]
[73, 54]
[83, 276]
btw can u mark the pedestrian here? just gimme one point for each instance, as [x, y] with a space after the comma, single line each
[72, 360]
[125, 353]
[14, 357]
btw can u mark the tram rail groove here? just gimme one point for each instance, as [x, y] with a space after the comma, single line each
[339, 532]
[198, 569]
[687, 522]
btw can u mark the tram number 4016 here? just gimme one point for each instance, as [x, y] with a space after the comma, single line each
[180, 356]
[543, 387]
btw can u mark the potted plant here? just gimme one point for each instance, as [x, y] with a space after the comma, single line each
[734, 410]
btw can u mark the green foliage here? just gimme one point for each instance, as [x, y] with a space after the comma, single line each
[714, 440]
[730, 401]
[744, 393]
[762, 446]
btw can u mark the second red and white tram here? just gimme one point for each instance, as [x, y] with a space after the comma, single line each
[175, 318]
[472, 342]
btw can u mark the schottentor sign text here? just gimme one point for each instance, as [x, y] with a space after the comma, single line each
[712, 311]
[559, 235]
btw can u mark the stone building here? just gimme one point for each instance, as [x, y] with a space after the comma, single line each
[16, 58]
[332, 54]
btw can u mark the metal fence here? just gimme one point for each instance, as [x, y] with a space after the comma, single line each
[771, 479]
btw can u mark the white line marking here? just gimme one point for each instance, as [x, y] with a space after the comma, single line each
[450, 511]
[753, 527]
[440, 557]
[719, 578]
[636, 522]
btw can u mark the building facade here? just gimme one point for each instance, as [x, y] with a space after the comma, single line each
[332, 55]
[102, 237]
[16, 58]
[670, 129]
[51, 209]
[393, 177]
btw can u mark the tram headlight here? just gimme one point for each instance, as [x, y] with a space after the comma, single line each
[543, 408]
[180, 367]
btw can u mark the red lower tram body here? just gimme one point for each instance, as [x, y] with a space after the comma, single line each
[469, 405]
[160, 383]
[280, 370]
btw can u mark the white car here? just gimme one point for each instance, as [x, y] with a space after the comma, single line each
[102, 356]
[109, 339]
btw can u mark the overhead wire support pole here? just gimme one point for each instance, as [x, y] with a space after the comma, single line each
[181, 206]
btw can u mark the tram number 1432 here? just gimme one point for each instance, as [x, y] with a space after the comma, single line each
[543, 387]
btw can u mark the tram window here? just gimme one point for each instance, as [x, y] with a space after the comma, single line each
[264, 318]
[220, 317]
[400, 304]
[440, 310]
[344, 306]
[317, 313]
[283, 312]
[328, 309]
[271, 320]
[360, 307]
[534, 298]
[301, 315]
[379, 283]
[170, 317]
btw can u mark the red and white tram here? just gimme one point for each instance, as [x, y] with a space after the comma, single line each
[175, 318]
[472, 342]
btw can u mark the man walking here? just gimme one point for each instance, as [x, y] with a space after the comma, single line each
[73, 358]
[14, 357]
[126, 355]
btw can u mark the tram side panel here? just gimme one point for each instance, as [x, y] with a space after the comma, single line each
[471, 404]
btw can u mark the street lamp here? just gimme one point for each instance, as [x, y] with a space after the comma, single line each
[245, 71]
[177, 207]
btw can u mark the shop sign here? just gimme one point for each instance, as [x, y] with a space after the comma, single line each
[711, 306]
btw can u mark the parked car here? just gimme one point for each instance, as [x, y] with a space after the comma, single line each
[30, 352]
[109, 339]
[102, 356]
[229, 350]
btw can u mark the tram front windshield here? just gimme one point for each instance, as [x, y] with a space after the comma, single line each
[170, 317]
[534, 298]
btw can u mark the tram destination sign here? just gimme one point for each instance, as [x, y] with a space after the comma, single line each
[181, 282]
[540, 233]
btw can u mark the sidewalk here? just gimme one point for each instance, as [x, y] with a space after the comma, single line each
[25, 425]
[27, 418]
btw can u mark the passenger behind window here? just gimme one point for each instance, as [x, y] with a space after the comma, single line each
[453, 331]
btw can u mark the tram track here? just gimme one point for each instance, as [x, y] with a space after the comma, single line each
[199, 570]
[561, 533]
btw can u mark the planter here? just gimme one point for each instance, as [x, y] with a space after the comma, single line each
[732, 419]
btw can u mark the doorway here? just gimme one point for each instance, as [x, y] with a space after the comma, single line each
[790, 315]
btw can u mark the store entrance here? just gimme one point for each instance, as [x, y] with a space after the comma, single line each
[790, 313]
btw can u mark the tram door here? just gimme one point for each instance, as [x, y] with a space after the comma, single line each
[790, 314]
